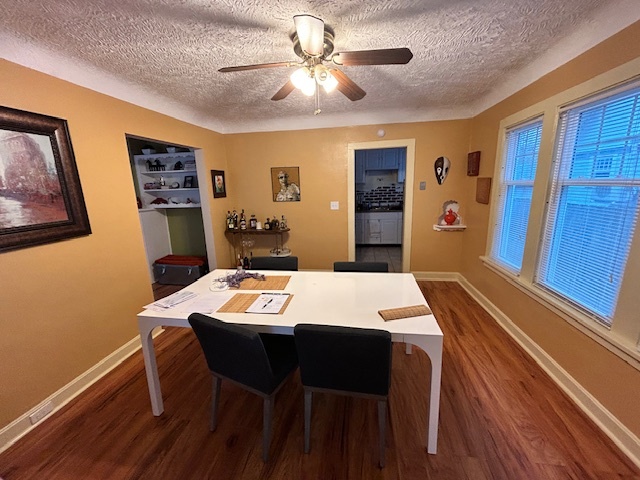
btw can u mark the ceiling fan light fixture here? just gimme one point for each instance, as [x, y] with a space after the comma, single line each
[310, 32]
[303, 80]
[330, 83]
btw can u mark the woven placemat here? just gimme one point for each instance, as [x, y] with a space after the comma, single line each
[276, 282]
[404, 312]
[241, 301]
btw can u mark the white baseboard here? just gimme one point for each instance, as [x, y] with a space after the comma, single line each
[22, 425]
[624, 438]
[437, 276]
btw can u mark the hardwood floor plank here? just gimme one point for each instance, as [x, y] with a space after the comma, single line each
[501, 418]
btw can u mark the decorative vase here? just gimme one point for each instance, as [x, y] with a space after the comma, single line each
[450, 217]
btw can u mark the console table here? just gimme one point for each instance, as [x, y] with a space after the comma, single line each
[238, 236]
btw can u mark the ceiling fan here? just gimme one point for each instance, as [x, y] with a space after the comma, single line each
[313, 43]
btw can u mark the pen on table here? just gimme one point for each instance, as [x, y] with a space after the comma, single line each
[268, 302]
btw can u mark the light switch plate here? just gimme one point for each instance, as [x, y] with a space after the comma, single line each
[335, 205]
[423, 185]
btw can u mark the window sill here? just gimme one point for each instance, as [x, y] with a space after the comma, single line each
[619, 346]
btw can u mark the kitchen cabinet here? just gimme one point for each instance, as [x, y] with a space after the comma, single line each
[390, 158]
[380, 227]
[361, 160]
[157, 178]
[402, 168]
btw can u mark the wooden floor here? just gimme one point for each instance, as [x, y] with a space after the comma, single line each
[501, 417]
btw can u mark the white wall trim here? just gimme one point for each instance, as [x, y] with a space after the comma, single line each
[624, 438]
[22, 425]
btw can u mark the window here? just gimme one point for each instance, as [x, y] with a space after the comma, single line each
[593, 202]
[516, 187]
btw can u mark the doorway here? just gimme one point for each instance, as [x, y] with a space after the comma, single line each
[379, 205]
[165, 177]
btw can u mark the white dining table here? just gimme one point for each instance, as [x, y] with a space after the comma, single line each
[318, 297]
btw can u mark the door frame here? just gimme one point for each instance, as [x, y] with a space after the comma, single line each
[407, 214]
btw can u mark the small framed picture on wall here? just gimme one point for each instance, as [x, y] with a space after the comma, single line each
[219, 184]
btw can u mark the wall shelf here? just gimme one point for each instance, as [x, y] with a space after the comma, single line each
[449, 228]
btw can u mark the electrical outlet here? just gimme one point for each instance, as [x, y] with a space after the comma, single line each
[40, 413]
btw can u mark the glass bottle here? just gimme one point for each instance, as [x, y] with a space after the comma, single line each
[243, 221]
[267, 224]
[253, 222]
[283, 223]
[235, 220]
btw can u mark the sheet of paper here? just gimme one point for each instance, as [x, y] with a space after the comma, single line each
[268, 303]
[207, 303]
[172, 300]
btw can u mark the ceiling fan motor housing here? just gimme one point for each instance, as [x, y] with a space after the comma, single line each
[328, 44]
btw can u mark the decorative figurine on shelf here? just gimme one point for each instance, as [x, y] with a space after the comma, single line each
[450, 217]
[148, 162]
[178, 166]
[159, 201]
[450, 213]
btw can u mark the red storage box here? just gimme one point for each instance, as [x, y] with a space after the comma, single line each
[179, 269]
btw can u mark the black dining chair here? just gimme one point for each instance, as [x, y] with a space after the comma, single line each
[347, 361]
[360, 267]
[274, 263]
[259, 363]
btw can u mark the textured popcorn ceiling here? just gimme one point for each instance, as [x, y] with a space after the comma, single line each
[164, 54]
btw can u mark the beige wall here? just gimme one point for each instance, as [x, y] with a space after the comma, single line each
[319, 235]
[612, 381]
[67, 305]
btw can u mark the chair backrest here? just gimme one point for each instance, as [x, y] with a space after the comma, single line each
[233, 351]
[360, 267]
[274, 263]
[344, 358]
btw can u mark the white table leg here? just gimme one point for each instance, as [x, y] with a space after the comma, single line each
[433, 348]
[151, 367]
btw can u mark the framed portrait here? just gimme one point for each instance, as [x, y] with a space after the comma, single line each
[285, 184]
[219, 184]
[41, 198]
[188, 181]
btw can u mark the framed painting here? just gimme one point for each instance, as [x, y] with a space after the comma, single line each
[285, 184]
[41, 198]
[219, 184]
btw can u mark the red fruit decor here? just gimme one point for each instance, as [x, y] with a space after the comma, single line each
[450, 217]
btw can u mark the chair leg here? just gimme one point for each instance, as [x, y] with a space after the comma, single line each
[267, 415]
[308, 397]
[382, 422]
[215, 398]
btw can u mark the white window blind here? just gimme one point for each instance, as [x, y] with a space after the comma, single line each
[520, 160]
[593, 203]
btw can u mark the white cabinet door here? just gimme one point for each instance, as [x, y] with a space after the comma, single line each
[389, 230]
[372, 231]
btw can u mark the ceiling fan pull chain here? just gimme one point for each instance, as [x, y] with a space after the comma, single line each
[317, 110]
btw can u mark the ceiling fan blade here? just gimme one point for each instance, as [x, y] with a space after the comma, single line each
[256, 67]
[347, 86]
[284, 91]
[310, 32]
[387, 56]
